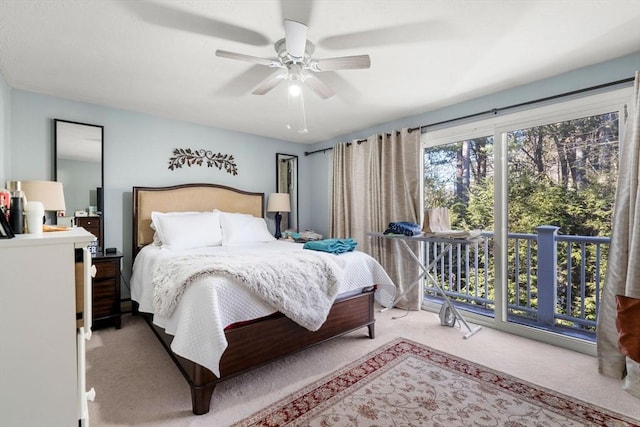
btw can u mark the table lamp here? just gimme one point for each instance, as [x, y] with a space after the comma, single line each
[49, 193]
[278, 202]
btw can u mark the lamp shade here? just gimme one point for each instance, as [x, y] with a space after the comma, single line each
[278, 202]
[49, 193]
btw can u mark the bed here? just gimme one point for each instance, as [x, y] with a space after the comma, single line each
[210, 345]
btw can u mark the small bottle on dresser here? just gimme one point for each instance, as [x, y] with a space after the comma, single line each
[16, 209]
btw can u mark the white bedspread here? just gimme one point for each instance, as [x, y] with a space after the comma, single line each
[198, 321]
[301, 285]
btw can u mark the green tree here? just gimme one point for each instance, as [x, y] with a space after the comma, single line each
[560, 174]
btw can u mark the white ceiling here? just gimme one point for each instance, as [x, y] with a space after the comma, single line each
[157, 56]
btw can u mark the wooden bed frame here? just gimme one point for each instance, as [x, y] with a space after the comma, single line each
[255, 343]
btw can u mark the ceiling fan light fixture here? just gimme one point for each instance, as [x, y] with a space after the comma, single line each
[294, 89]
[295, 78]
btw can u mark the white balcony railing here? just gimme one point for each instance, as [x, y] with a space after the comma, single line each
[554, 281]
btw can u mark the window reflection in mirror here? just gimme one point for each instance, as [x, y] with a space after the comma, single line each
[287, 182]
[78, 166]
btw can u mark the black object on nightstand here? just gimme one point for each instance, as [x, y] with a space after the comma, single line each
[106, 290]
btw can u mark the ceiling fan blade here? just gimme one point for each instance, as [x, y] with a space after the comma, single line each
[172, 17]
[341, 63]
[295, 35]
[388, 36]
[254, 59]
[268, 84]
[242, 83]
[318, 86]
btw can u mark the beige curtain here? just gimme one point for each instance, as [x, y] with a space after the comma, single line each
[623, 272]
[375, 182]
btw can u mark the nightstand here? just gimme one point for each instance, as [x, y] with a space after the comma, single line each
[93, 224]
[106, 290]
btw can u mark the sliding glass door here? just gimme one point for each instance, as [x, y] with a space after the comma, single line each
[540, 184]
[561, 180]
[459, 176]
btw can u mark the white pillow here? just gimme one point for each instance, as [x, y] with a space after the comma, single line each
[156, 236]
[239, 229]
[187, 230]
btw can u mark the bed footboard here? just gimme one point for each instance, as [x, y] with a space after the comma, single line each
[258, 343]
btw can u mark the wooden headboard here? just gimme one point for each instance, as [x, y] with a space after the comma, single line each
[187, 197]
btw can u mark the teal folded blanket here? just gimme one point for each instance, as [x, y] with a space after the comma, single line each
[334, 246]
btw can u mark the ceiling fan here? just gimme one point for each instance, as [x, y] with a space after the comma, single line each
[297, 64]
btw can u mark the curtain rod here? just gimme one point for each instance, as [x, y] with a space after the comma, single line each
[497, 110]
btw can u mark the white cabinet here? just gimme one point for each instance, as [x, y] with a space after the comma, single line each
[42, 362]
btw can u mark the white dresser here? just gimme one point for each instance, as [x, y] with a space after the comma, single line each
[42, 360]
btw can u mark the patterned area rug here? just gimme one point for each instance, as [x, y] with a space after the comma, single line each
[405, 383]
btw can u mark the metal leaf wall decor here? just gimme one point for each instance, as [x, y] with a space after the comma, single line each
[186, 156]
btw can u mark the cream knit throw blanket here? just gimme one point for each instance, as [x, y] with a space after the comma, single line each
[301, 285]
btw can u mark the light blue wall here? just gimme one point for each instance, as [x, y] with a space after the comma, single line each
[321, 163]
[5, 130]
[137, 148]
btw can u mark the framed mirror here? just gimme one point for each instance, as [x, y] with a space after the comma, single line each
[78, 165]
[287, 182]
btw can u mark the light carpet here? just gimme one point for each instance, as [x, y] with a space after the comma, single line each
[405, 383]
[137, 383]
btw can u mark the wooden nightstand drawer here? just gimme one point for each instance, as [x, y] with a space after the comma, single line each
[93, 224]
[106, 290]
[106, 270]
[103, 307]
